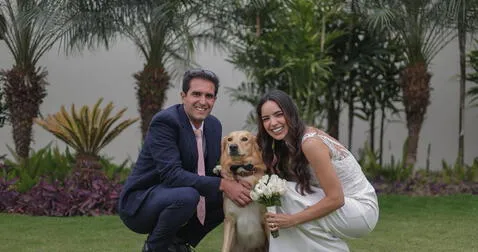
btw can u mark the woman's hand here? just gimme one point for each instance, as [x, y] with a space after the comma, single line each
[277, 221]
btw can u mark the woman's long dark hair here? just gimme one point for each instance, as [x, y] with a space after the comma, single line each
[288, 162]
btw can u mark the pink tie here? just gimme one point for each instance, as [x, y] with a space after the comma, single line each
[201, 208]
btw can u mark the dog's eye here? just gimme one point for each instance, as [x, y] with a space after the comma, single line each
[244, 139]
[229, 139]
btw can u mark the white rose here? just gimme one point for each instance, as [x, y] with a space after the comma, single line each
[254, 195]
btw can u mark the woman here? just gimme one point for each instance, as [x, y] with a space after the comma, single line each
[328, 197]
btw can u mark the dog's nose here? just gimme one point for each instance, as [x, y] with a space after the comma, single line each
[233, 147]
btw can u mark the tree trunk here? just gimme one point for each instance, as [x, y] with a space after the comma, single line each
[151, 86]
[24, 92]
[333, 123]
[415, 82]
[258, 25]
[461, 120]
[372, 125]
[382, 125]
[351, 120]
[333, 113]
[87, 161]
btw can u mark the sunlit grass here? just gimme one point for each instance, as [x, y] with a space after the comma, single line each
[406, 224]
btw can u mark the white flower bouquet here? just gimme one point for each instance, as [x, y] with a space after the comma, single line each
[268, 191]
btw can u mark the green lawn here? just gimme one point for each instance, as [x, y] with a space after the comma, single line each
[406, 224]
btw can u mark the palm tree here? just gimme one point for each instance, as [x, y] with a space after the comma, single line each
[166, 33]
[28, 37]
[464, 19]
[417, 26]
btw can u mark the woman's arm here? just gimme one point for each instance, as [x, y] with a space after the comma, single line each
[318, 155]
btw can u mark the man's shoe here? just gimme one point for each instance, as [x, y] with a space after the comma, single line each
[179, 246]
[146, 248]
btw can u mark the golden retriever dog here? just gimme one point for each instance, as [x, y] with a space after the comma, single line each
[244, 227]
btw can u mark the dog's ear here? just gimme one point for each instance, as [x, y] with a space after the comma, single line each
[223, 145]
[255, 146]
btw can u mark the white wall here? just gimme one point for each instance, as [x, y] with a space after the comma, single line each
[82, 79]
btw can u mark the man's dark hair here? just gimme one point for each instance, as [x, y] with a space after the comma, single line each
[202, 74]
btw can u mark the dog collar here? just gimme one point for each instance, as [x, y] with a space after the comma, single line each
[247, 170]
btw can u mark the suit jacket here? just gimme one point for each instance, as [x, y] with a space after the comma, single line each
[169, 157]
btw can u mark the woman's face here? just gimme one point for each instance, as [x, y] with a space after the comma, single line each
[274, 121]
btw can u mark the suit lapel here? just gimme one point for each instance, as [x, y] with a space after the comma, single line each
[191, 138]
[209, 133]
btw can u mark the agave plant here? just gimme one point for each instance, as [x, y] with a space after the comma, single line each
[86, 131]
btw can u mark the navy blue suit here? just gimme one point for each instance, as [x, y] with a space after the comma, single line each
[161, 194]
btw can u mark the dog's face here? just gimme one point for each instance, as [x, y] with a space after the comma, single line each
[240, 153]
[239, 144]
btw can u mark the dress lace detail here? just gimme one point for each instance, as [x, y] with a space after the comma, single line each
[337, 150]
[357, 217]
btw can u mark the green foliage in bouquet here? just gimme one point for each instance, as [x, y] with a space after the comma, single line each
[267, 191]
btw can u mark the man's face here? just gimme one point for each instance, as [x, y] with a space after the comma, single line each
[199, 100]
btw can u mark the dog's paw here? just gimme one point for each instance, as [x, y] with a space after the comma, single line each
[217, 170]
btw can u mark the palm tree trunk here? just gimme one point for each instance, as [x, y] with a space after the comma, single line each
[462, 47]
[333, 123]
[382, 131]
[333, 113]
[351, 120]
[372, 125]
[87, 161]
[151, 86]
[415, 81]
[24, 92]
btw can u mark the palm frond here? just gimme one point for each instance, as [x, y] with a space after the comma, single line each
[29, 29]
[472, 93]
[419, 24]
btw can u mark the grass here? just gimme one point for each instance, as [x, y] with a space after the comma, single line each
[406, 224]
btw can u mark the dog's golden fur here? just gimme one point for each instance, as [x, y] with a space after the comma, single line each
[244, 227]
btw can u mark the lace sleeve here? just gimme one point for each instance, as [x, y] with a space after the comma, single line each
[337, 150]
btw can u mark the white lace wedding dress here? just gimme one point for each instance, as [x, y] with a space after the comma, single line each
[357, 217]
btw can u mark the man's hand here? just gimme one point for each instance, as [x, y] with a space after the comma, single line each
[236, 192]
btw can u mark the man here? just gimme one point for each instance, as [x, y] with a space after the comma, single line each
[164, 190]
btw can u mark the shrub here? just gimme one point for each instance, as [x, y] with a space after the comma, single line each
[8, 195]
[48, 163]
[456, 172]
[114, 171]
[46, 184]
[394, 171]
[86, 131]
[89, 192]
